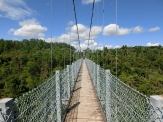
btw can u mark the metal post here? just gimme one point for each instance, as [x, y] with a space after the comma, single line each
[157, 108]
[72, 74]
[58, 96]
[68, 81]
[6, 110]
[98, 81]
[107, 102]
[94, 72]
[75, 71]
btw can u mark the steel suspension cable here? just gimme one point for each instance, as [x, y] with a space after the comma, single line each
[97, 37]
[64, 34]
[76, 23]
[103, 26]
[70, 36]
[116, 109]
[51, 35]
[91, 22]
[116, 39]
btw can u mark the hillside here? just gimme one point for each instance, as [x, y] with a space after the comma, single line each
[27, 63]
[140, 67]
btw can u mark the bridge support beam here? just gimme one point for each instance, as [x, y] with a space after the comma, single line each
[72, 76]
[6, 110]
[157, 108]
[108, 115]
[58, 96]
[94, 72]
[68, 82]
[98, 81]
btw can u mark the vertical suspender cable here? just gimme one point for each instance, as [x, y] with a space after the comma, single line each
[116, 39]
[103, 26]
[64, 34]
[51, 35]
[70, 47]
[97, 37]
[76, 25]
[70, 35]
[116, 109]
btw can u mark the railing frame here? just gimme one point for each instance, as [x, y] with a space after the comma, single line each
[115, 102]
[47, 102]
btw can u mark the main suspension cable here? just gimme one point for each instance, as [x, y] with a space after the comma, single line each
[76, 24]
[91, 22]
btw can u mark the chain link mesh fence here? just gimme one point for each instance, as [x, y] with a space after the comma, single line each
[120, 102]
[39, 105]
[49, 101]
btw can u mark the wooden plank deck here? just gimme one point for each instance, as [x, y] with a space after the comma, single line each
[84, 105]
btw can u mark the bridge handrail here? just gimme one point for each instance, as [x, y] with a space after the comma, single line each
[40, 104]
[119, 101]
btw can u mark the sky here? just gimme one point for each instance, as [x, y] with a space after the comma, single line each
[138, 22]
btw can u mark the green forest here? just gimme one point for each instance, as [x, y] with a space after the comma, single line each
[140, 67]
[26, 64]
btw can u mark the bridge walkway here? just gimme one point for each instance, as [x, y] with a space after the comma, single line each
[84, 105]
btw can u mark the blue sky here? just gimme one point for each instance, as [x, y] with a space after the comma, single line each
[139, 22]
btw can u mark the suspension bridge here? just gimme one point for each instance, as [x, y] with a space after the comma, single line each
[82, 92]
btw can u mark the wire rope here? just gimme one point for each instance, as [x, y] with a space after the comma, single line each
[51, 35]
[91, 22]
[76, 25]
[70, 34]
[116, 38]
[64, 34]
[97, 37]
[116, 109]
[103, 26]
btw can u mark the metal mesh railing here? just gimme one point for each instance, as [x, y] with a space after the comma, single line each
[121, 103]
[49, 101]
[40, 104]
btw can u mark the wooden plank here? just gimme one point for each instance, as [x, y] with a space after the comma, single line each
[84, 105]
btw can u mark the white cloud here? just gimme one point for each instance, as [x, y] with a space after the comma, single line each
[150, 44]
[89, 41]
[154, 29]
[85, 2]
[30, 29]
[92, 45]
[81, 28]
[109, 46]
[110, 30]
[72, 36]
[15, 9]
[83, 32]
[117, 46]
[29, 22]
[138, 29]
[84, 45]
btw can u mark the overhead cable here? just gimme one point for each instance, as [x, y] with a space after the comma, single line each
[76, 22]
[91, 22]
